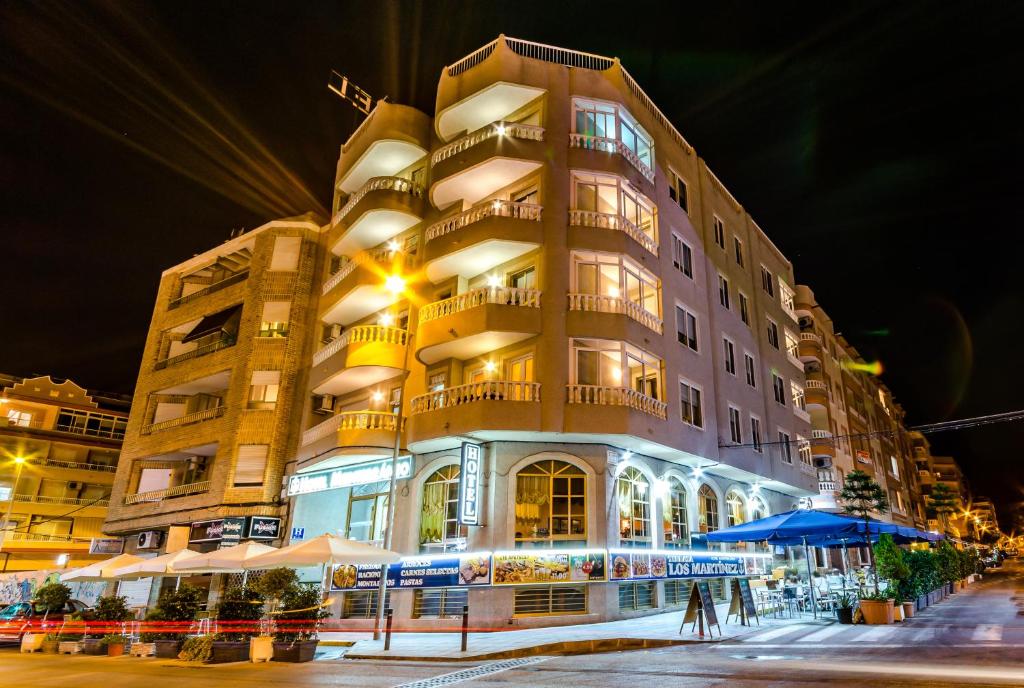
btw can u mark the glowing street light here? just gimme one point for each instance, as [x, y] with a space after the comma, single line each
[19, 461]
[395, 284]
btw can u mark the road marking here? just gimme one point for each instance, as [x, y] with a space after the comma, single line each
[874, 634]
[923, 635]
[822, 634]
[773, 634]
[476, 672]
[991, 633]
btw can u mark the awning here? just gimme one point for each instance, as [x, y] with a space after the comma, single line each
[803, 527]
[225, 321]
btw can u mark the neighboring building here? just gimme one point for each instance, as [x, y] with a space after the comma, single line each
[986, 523]
[59, 447]
[935, 469]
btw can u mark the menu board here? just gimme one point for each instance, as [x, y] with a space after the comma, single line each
[640, 565]
[548, 567]
[417, 572]
[747, 597]
[707, 602]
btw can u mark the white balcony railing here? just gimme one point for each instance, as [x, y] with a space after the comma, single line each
[509, 296]
[350, 420]
[617, 396]
[826, 486]
[517, 211]
[816, 384]
[187, 419]
[399, 184]
[363, 334]
[67, 501]
[488, 390]
[512, 129]
[821, 434]
[591, 218]
[810, 337]
[176, 491]
[377, 255]
[598, 303]
[608, 145]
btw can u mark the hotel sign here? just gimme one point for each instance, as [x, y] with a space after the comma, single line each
[469, 484]
[347, 476]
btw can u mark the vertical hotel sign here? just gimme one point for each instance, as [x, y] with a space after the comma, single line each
[469, 484]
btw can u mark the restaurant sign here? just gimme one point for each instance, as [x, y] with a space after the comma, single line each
[417, 572]
[639, 565]
[362, 473]
[218, 530]
[263, 528]
[469, 484]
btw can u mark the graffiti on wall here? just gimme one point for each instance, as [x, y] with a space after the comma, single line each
[20, 586]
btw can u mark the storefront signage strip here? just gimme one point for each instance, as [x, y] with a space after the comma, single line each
[347, 476]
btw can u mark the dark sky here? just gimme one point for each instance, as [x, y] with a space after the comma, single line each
[880, 147]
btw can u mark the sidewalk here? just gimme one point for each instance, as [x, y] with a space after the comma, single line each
[658, 630]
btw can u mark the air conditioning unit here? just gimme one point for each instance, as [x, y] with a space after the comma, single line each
[823, 462]
[324, 404]
[74, 485]
[150, 539]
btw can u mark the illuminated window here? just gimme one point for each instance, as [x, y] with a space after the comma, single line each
[266, 384]
[22, 419]
[606, 363]
[737, 508]
[611, 195]
[634, 498]
[551, 504]
[707, 509]
[618, 278]
[677, 532]
[803, 449]
[797, 392]
[439, 527]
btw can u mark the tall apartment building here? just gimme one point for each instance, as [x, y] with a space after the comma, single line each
[59, 447]
[214, 418]
[935, 469]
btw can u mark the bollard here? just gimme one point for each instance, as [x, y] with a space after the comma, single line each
[465, 627]
[387, 628]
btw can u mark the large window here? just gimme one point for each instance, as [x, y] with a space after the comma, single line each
[634, 496]
[611, 195]
[737, 507]
[677, 533]
[611, 121]
[707, 509]
[439, 527]
[606, 363]
[682, 256]
[367, 509]
[690, 408]
[551, 505]
[617, 277]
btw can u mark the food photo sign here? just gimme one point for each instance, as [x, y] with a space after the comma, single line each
[640, 565]
[417, 572]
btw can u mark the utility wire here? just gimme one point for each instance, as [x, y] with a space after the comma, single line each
[55, 518]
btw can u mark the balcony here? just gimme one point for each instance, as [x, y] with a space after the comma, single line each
[389, 140]
[827, 487]
[347, 436]
[62, 501]
[597, 303]
[527, 132]
[816, 393]
[361, 357]
[823, 444]
[168, 493]
[493, 405]
[357, 289]
[476, 322]
[187, 419]
[381, 209]
[209, 347]
[215, 287]
[481, 238]
[617, 396]
[809, 347]
[74, 465]
[603, 144]
[596, 220]
[483, 108]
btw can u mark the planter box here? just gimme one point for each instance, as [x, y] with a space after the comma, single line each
[877, 612]
[224, 651]
[261, 648]
[32, 642]
[908, 610]
[69, 647]
[50, 647]
[845, 616]
[115, 650]
[93, 646]
[143, 650]
[304, 650]
[922, 602]
[166, 649]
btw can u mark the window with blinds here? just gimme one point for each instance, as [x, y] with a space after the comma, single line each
[266, 384]
[250, 464]
[636, 596]
[362, 604]
[677, 592]
[439, 602]
[551, 600]
[275, 319]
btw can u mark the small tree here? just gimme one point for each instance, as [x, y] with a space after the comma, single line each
[946, 562]
[860, 496]
[53, 596]
[892, 565]
[240, 604]
[942, 502]
[174, 608]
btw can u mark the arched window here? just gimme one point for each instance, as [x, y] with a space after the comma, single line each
[634, 497]
[551, 504]
[707, 509]
[439, 526]
[757, 508]
[677, 532]
[737, 508]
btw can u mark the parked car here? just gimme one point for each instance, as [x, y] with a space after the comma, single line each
[23, 617]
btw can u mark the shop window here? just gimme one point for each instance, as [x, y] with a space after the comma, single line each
[677, 592]
[737, 508]
[362, 604]
[636, 596]
[367, 512]
[439, 603]
[551, 505]
[677, 533]
[634, 497]
[550, 600]
[439, 527]
[707, 509]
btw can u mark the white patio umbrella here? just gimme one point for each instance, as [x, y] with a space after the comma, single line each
[161, 567]
[100, 571]
[228, 560]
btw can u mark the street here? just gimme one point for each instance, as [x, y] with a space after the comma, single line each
[973, 638]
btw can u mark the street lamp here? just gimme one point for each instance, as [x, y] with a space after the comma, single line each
[396, 285]
[19, 461]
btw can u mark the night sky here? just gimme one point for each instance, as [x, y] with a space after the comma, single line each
[880, 148]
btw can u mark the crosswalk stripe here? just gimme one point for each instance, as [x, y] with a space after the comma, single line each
[988, 633]
[923, 635]
[822, 634]
[775, 633]
[874, 634]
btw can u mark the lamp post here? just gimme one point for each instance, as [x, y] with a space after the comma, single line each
[396, 285]
[19, 461]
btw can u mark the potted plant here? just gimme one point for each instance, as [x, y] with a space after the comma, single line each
[844, 608]
[51, 642]
[897, 607]
[114, 643]
[946, 564]
[53, 597]
[169, 619]
[300, 613]
[877, 608]
[275, 585]
[241, 609]
[81, 620]
[197, 648]
[860, 496]
[891, 565]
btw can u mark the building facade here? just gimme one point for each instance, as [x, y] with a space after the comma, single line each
[59, 449]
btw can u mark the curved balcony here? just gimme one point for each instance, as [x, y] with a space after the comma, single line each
[816, 393]
[608, 155]
[478, 239]
[362, 356]
[381, 209]
[389, 140]
[477, 321]
[589, 219]
[347, 436]
[357, 289]
[823, 444]
[493, 405]
[611, 317]
[613, 410]
[491, 158]
[489, 104]
[809, 347]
